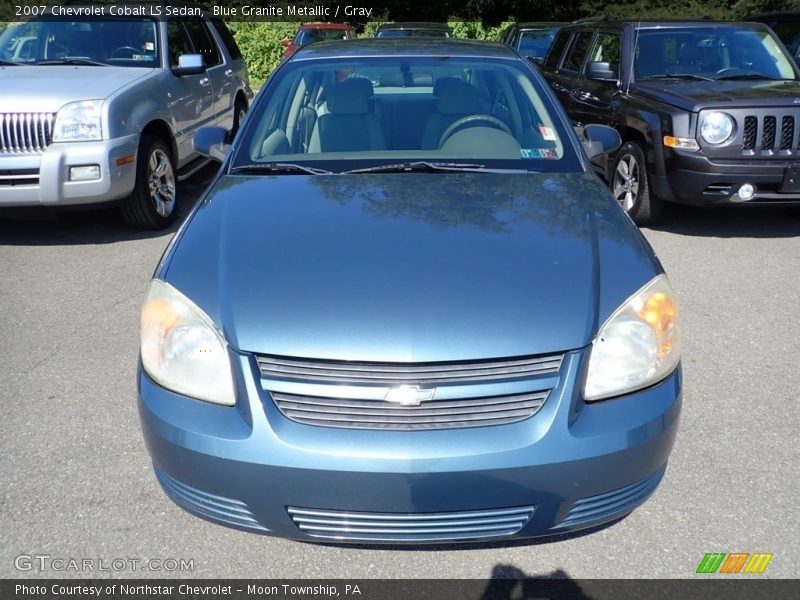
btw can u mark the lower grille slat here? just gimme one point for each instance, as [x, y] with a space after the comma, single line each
[410, 527]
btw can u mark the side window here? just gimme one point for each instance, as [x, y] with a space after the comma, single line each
[203, 44]
[607, 49]
[578, 50]
[557, 49]
[227, 38]
[179, 42]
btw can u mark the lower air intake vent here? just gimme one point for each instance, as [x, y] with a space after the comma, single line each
[410, 527]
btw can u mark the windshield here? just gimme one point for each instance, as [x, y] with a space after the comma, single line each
[307, 36]
[345, 114]
[120, 42]
[716, 52]
[536, 42]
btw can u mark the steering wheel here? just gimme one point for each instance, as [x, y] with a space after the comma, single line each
[469, 120]
[129, 49]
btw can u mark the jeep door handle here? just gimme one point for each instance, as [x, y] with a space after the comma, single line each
[228, 72]
[205, 82]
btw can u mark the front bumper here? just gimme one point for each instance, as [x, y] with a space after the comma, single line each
[692, 178]
[570, 466]
[43, 179]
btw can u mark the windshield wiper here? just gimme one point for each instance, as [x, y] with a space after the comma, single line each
[420, 167]
[72, 61]
[677, 76]
[751, 75]
[280, 168]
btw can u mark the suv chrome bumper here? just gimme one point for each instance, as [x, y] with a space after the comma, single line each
[20, 185]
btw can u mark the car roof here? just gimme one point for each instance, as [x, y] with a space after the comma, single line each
[655, 23]
[539, 25]
[371, 47]
[324, 26]
[415, 25]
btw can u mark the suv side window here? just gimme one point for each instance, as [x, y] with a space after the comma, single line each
[227, 38]
[179, 42]
[608, 49]
[203, 43]
[577, 53]
[554, 56]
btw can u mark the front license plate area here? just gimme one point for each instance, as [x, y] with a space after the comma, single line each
[791, 180]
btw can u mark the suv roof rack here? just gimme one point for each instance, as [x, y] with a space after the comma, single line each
[594, 19]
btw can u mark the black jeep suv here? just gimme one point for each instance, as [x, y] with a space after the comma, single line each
[709, 112]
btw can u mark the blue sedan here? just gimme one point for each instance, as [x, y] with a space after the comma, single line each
[407, 310]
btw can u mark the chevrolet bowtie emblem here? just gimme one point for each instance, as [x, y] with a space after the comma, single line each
[408, 395]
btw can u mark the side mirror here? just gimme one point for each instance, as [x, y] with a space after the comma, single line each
[603, 71]
[189, 64]
[210, 142]
[600, 139]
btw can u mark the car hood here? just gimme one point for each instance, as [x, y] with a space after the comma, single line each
[409, 267]
[697, 95]
[48, 88]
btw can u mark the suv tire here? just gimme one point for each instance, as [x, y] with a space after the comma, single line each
[631, 186]
[152, 203]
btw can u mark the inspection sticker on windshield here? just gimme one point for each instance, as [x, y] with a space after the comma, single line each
[546, 153]
[547, 133]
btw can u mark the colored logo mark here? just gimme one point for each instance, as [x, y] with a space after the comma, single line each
[734, 562]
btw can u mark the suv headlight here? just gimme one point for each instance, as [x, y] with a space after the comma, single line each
[717, 127]
[181, 348]
[638, 345]
[79, 122]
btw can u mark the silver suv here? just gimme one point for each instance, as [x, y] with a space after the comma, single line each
[103, 111]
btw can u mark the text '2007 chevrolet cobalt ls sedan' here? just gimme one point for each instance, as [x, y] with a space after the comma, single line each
[406, 310]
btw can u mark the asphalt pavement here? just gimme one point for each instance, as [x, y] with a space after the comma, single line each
[77, 481]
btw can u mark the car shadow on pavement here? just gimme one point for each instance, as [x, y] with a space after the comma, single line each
[46, 227]
[508, 582]
[730, 221]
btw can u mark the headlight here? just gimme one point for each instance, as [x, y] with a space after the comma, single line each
[79, 122]
[639, 345]
[182, 349]
[716, 128]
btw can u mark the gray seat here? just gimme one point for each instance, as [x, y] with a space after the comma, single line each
[349, 125]
[455, 99]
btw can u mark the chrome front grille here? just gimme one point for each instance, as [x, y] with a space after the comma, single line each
[434, 414]
[410, 527]
[409, 396]
[344, 372]
[25, 133]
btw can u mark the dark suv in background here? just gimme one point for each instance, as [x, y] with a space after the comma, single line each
[709, 112]
[532, 40]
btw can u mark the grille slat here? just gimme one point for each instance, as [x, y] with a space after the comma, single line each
[439, 414]
[25, 133]
[768, 136]
[410, 527]
[750, 132]
[395, 374]
[787, 133]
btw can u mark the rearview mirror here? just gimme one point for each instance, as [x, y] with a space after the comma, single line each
[189, 64]
[600, 139]
[210, 142]
[603, 71]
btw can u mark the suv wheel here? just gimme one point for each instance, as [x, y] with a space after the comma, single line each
[151, 205]
[239, 112]
[630, 185]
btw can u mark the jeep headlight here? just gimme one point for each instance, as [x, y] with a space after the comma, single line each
[717, 127]
[638, 346]
[181, 348]
[79, 122]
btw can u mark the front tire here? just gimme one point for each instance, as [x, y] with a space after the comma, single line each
[152, 204]
[239, 113]
[631, 186]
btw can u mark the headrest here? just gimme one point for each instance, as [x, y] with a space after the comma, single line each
[350, 97]
[456, 97]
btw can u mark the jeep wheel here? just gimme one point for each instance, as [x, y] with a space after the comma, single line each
[151, 205]
[630, 185]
